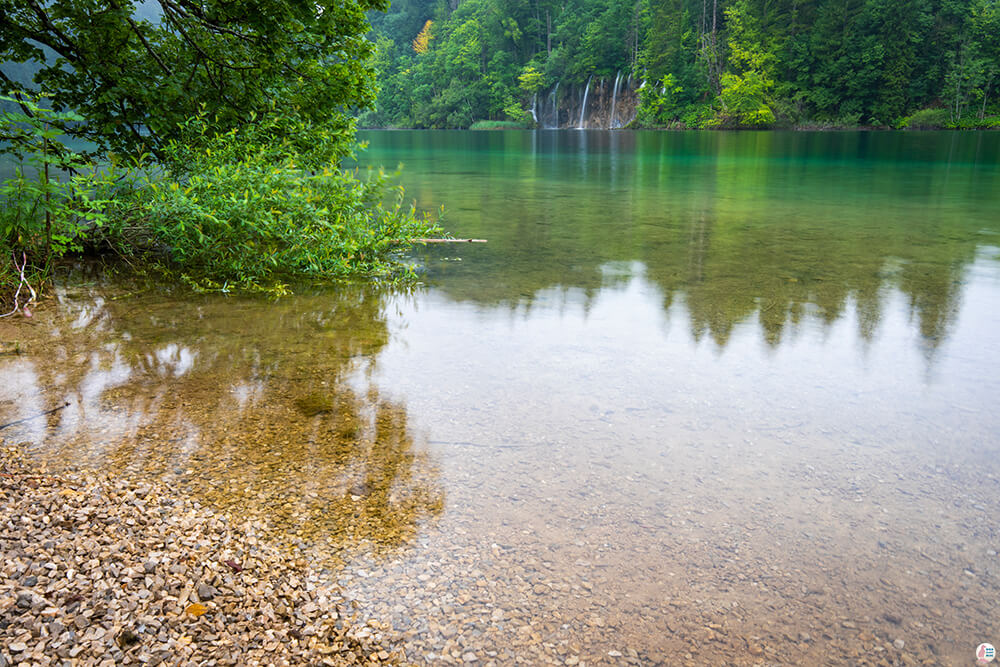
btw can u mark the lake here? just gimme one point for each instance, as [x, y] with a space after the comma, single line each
[702, 398]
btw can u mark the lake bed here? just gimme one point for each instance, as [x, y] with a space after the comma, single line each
[701, 398]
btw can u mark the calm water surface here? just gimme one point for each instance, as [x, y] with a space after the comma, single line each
[702, 398]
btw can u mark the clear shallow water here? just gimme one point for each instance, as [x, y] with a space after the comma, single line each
[702, 398]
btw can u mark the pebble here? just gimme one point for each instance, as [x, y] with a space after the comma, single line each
[103, 602]
[899, 644]
[205, 592]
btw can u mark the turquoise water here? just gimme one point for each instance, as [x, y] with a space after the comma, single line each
[726, 220]
[701, 398]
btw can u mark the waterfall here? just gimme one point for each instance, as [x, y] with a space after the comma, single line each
[534, 107]
[554, 96]
[583, 107]
[614, 102]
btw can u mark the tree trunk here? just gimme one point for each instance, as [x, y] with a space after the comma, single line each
[48, 213]
[548, 32]
[986, 95]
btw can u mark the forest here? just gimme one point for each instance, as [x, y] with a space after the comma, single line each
[918, 64]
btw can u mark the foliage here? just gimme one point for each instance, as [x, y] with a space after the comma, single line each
[237, 208]
[135, 71]
[498, 125]
[743, 100]
[41, 213]
[423, 39]
[530, 80]
[662, 105]
[941, 119]
[228, 121]
[756, 62]
[927, 119]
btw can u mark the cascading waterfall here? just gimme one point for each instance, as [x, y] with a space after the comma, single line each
[534, 107]
[614, 102]
[554, 96]
[583, 107]
[635, 110]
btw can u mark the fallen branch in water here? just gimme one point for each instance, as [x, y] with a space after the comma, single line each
[40, 414]
[24, 281]
[448, 240]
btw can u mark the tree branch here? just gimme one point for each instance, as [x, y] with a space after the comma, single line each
[145, 43]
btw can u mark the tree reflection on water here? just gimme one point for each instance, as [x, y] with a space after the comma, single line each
[259, 408]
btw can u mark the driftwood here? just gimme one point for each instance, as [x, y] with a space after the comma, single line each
[448, 240]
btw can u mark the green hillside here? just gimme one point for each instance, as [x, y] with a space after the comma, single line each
[687, 63]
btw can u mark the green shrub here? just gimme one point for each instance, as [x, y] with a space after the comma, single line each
[743, 100]
[697, 116]
[973, 122]
[499, 124]
[927, 119]
[43, 211]
[237, 209]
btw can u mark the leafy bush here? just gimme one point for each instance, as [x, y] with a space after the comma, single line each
[237, 209]
[973, 122]
[927, 119]
[499, 124]
[744, 100]
[661, 103]
[698, 116]
[43, 213]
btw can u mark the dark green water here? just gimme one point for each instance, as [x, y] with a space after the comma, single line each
[702, 398]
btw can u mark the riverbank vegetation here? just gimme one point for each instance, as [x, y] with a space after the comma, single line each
[688, 64]
[205, 140]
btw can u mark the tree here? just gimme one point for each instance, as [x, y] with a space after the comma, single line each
[136, 70]
[423, 39]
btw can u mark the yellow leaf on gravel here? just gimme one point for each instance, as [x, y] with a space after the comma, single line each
[196, 609]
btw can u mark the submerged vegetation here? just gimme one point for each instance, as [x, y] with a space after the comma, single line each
[215, 137]
[687, 63]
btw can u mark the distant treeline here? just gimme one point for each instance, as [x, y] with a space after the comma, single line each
[691, 63]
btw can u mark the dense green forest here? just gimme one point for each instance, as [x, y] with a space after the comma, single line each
[687, 63]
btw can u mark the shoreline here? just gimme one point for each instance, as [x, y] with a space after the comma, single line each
[795, 128]
[105, 570]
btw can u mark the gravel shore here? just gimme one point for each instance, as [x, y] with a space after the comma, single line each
[102, 570]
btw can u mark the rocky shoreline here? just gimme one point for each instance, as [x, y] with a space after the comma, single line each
[104, 570]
